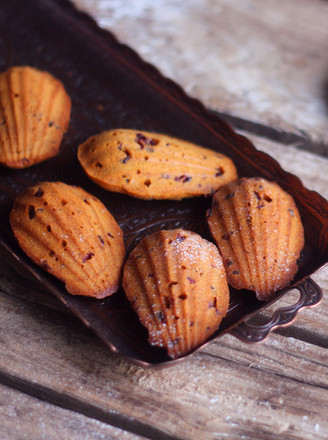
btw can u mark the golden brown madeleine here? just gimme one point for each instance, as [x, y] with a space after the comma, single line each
[153, 166]
[259, 232]
[72, 235]
[34, 114]
[176, 283]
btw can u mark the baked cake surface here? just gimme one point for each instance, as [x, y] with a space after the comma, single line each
[34, 115]
[153, 166]
[259, 232]
[72, 235]
[176, 283]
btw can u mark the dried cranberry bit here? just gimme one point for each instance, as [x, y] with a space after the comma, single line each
[101, 240]
[39, 193]
[167, 302]
[143, 141]
[110, 235]
[99, 165]
[225, 236]
[235, 272]
[191, 280]
[229, 196]
[267, 198]
[229, 263]
[257, 195]
[219, 172]
[87, 257]
[127, 157]
[161, 317]
[180, 238]
[51, 123]
[183, 178]
[31, 212]
[183, 296]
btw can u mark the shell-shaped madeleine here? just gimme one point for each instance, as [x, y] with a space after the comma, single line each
[259, 232]
[34, 114]
[72, 235]
[176, 283]
[153, 166]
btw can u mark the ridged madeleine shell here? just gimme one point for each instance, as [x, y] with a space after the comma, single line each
[176, 283]
[153, 166]
[34, 114]
[72, 235]
[259, 232]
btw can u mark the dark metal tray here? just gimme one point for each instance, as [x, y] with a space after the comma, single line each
[111, 87]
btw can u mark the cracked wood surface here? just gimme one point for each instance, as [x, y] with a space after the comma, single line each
[52, 367]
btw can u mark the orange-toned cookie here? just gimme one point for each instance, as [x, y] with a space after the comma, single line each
[153, 166]
[72, 235]
[259, 232]
[176, 283]
[34, 114]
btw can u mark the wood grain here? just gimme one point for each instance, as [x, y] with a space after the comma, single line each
[250, 59]
[229, 387]
[25, 417]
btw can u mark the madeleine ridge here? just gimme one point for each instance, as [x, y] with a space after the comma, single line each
[176, 282]
[34, 115]
[259, 232]
[153, 166]
[70, 234]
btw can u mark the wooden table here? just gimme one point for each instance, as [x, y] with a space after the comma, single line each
[264, 68]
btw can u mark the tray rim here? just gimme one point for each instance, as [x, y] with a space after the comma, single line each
[194, 107]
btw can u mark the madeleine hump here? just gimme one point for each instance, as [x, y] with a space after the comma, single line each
[34, 115]
[259, 232]
[153, 166]
[176, 282]
[70, 234]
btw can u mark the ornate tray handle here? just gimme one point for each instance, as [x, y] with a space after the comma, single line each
[310, 295]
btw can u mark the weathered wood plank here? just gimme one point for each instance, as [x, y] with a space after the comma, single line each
[257, 391]
[25, 417]
[249, 59]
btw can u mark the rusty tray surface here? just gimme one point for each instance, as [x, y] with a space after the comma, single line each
[111, 87]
